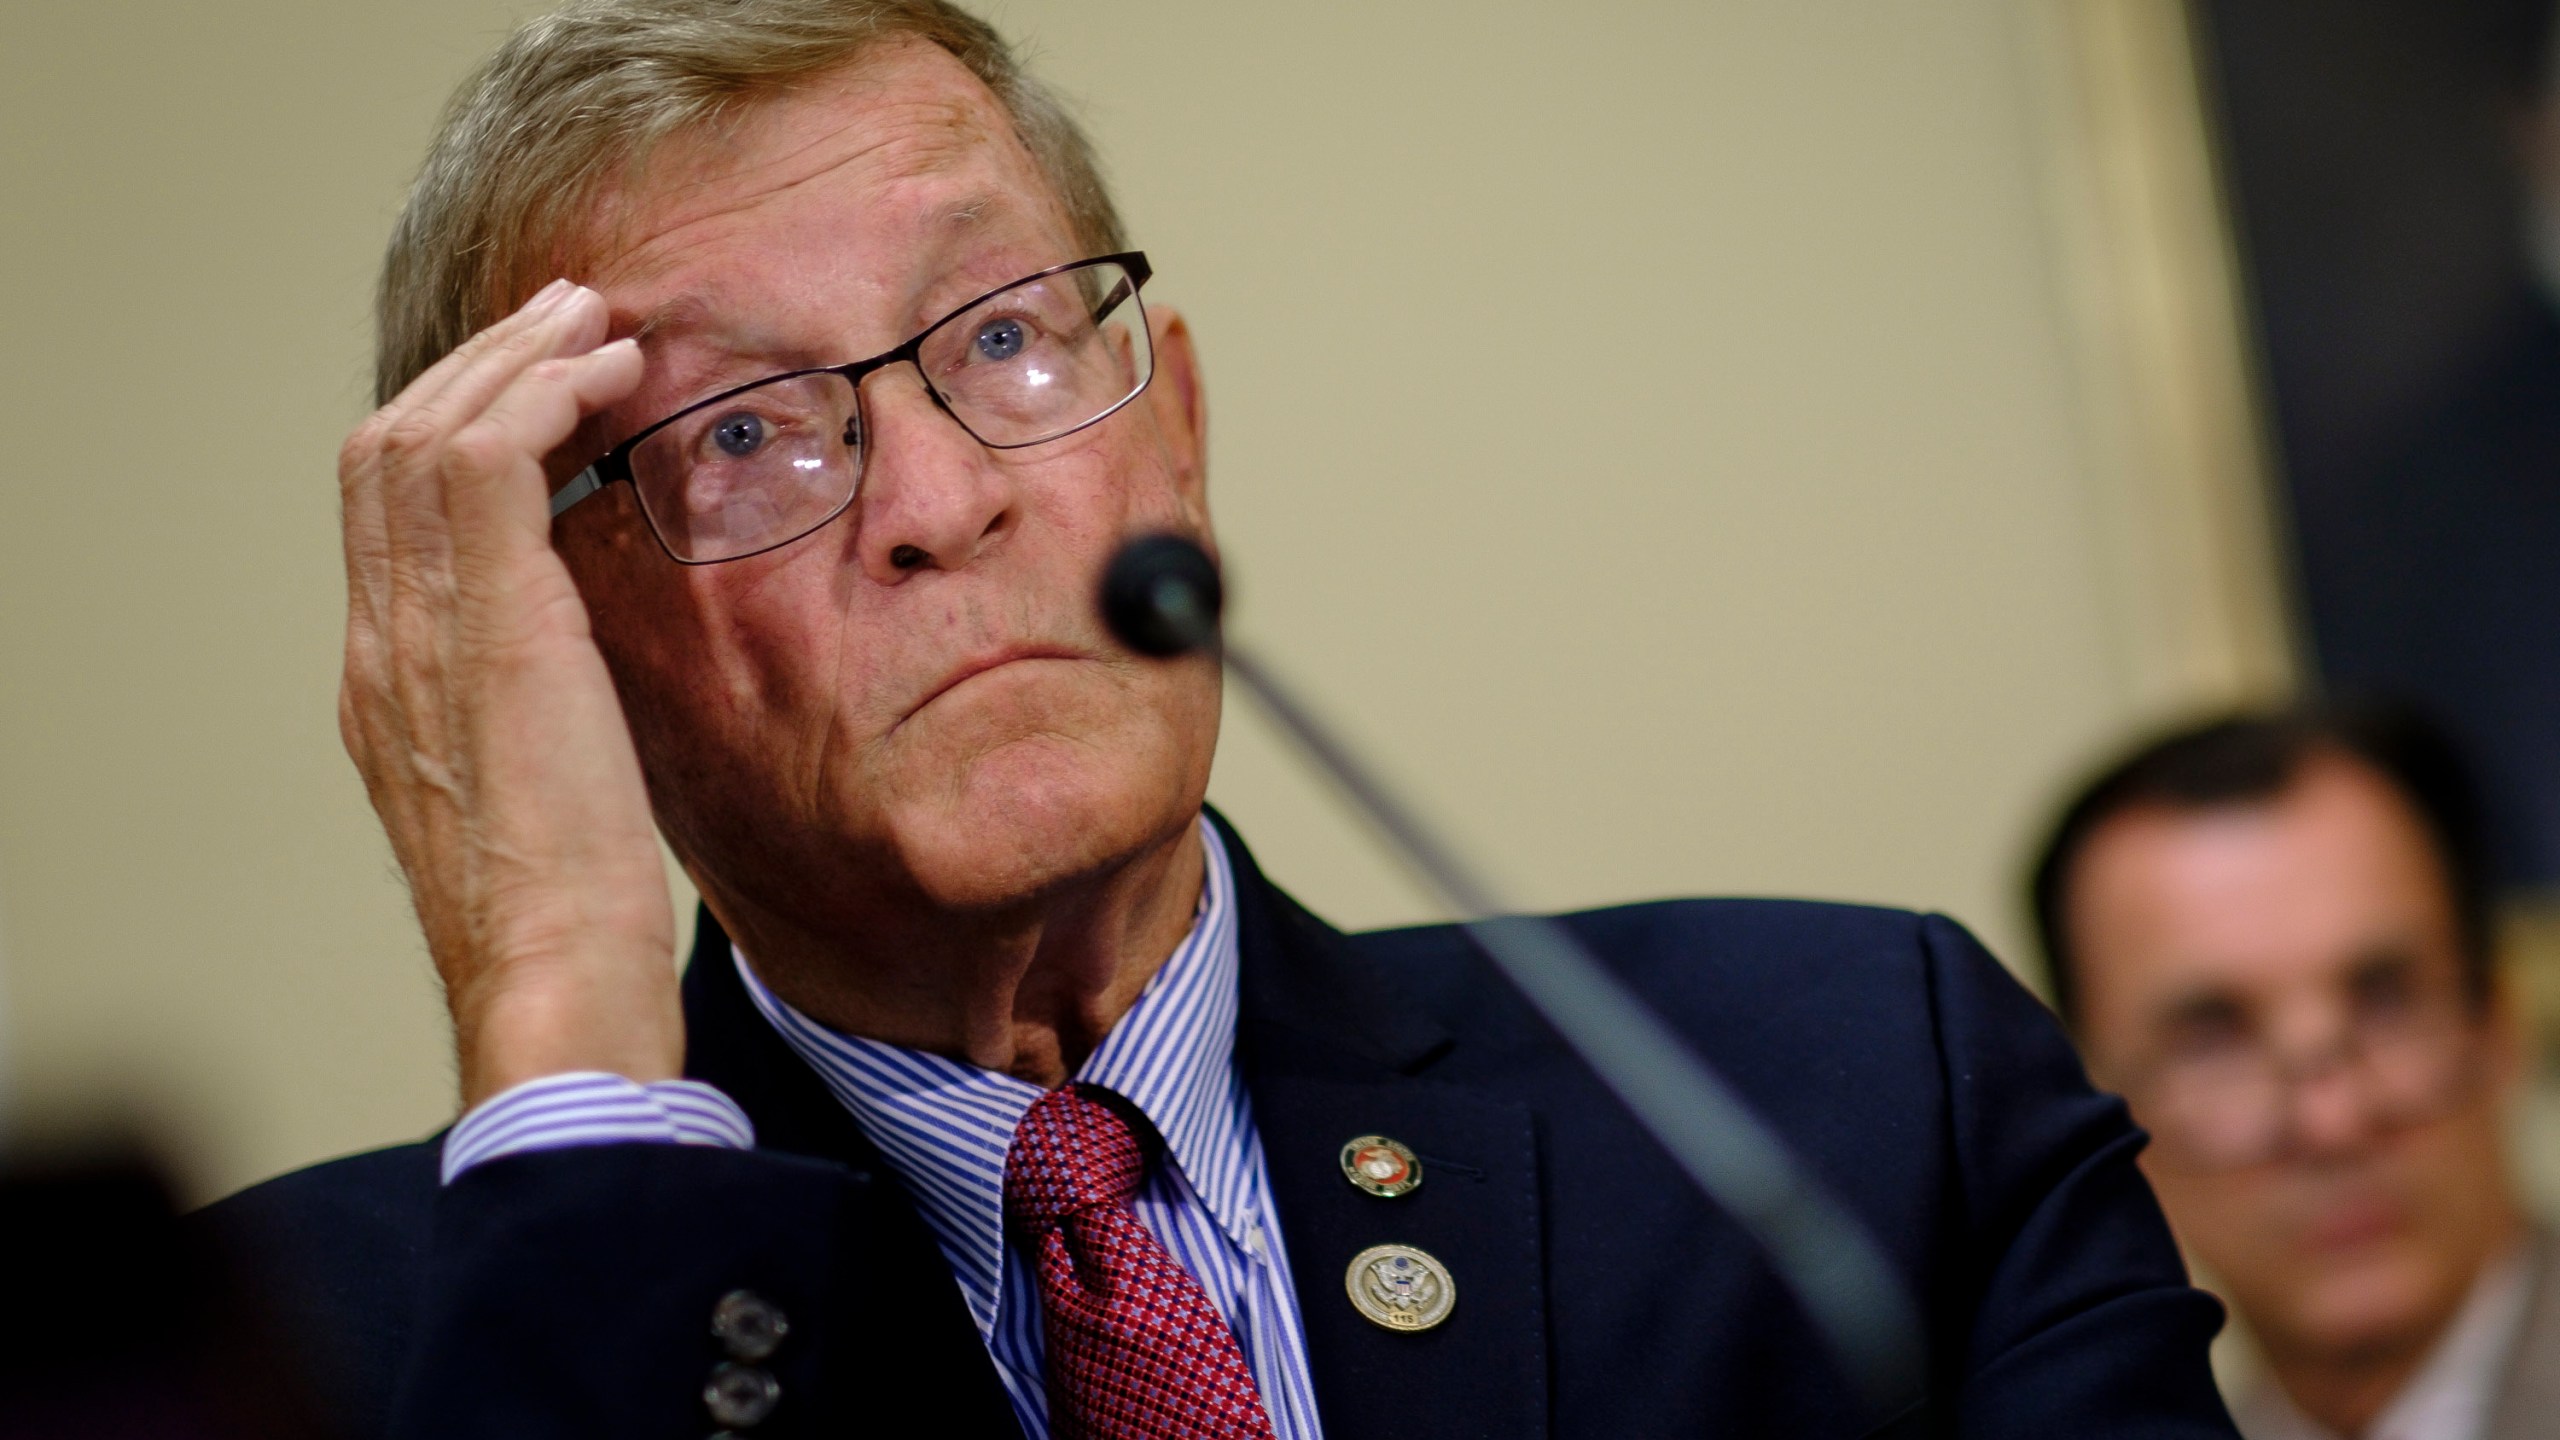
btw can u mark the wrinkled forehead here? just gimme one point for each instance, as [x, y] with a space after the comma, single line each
[888, 174]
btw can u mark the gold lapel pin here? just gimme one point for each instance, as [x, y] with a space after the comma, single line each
[1381, 1166]
[1400, 1288]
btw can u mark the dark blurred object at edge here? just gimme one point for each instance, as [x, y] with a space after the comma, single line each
[122, 1323]
[2394, 168]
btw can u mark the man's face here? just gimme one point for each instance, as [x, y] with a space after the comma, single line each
[2315, 928]
[916, 704]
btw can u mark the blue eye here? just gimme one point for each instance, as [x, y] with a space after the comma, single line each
[1000, 339]
[740, 434]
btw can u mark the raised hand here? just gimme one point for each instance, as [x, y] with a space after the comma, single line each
[479, 711]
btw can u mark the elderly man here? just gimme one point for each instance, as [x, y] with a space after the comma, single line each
[2271, 934]
[1003, 1095]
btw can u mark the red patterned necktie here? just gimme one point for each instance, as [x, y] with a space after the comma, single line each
[1136, 1351]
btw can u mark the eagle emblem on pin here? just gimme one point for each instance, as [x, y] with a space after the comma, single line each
[1400, 1287]
[1381, 1166]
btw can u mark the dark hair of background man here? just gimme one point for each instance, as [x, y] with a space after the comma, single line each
[2252, 759]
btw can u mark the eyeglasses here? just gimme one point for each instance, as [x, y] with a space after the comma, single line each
[2227, 1100]
[756, 467]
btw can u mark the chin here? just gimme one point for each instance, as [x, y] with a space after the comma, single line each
[1036, 815]
[1038, 786]
[2381, 1306]
[2372, 1300]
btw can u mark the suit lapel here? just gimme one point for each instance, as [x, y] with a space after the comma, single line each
[907, 1353]
[1330, 1052]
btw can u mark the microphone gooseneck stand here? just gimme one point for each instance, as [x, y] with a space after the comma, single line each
[1162, 596]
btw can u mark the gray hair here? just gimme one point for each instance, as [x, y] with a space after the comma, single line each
[574, 102]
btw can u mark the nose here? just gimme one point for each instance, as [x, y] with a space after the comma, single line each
[932, 497]
[2330, 1110]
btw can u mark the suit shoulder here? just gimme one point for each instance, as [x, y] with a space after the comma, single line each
[1881, 996]
[1734, 940]
[393, 1186]
[1753, 925]
[339, 1251]
[330, 1233]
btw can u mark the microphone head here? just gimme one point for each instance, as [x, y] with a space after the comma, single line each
[1161, 596]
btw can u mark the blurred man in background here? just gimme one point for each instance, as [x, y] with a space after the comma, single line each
[2271, 935]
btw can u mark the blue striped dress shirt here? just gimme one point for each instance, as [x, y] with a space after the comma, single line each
[946, 1126]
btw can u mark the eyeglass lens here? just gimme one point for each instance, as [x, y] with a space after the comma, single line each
[770, 463]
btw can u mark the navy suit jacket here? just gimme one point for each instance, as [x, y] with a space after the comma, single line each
[569, 1293]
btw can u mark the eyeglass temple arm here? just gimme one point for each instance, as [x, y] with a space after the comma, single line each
[587, 483]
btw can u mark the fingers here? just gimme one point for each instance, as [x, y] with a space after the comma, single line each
[359, 459]
[406, 436]
[467, 441]
[495, 487]
[413, 456]
[452, 471]
[433, 380]
[384, 449]
[571, 321]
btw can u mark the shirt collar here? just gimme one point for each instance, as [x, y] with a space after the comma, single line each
[945, 1125]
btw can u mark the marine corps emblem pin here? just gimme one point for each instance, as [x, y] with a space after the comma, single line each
[1381, 1166]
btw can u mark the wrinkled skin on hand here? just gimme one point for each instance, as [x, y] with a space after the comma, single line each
[478, 710]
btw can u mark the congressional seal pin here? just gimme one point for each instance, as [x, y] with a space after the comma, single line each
[1399, 1287]
[1381, 1166]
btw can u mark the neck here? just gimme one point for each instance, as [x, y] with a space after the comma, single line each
[1028, 989]
[2345, 1389]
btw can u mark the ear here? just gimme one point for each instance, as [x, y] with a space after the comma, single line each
[1180, 407]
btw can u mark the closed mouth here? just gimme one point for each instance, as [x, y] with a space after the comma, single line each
[994, 660]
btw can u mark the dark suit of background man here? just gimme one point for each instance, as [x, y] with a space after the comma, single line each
[2272, 934]
[953, 854]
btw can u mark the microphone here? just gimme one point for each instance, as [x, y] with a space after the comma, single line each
[1161, 596]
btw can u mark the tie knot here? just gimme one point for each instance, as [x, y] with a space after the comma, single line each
[1076, 1151]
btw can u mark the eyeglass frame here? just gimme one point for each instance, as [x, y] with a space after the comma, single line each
[614, 465]
[2466, 1018]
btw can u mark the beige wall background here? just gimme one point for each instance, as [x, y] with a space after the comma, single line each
[1697, 445]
